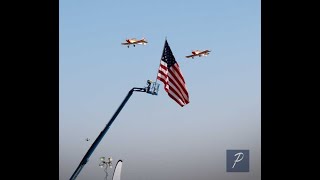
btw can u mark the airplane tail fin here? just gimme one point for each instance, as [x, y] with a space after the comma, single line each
[143, 38]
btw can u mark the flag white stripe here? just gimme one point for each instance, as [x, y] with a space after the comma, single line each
[178, 73]
[164, 63]
[177, 87]
[165, 71]
[176, 91]
[178, 82]
[178, 100]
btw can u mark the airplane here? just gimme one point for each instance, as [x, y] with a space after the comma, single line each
[135, 41]
[198, 53]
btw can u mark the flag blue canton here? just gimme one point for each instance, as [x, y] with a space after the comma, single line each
[167, 55]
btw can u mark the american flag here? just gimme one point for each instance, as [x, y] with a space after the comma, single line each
[170, 74]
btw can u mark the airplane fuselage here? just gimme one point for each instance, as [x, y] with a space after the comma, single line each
[198, 53]
[134, 42]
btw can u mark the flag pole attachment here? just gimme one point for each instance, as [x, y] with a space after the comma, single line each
[85, 159]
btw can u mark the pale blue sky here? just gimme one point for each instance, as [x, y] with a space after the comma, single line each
[153, 135]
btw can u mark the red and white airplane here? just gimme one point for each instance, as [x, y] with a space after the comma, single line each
[135, 41]
[198, 53]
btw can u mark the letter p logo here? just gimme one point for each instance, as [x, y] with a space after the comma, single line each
[237, 160]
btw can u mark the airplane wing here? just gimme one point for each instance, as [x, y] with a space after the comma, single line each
[136, 42]
[203, 53]
[206, 52]
[191, 55]
[140, 41]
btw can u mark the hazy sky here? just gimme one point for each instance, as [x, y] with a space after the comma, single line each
[155, 137]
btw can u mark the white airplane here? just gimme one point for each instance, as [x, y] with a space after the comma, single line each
[135, 41]
[198, 53]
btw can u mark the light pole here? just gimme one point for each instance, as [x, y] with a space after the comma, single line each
[105, 164]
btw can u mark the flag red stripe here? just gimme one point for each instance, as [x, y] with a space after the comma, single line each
[163, 67]
[176, 92]
[177, 100]
[178, 71]
[164, 79]
[178, 82]
[178, 89]
[165, 74]
[174, 84]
